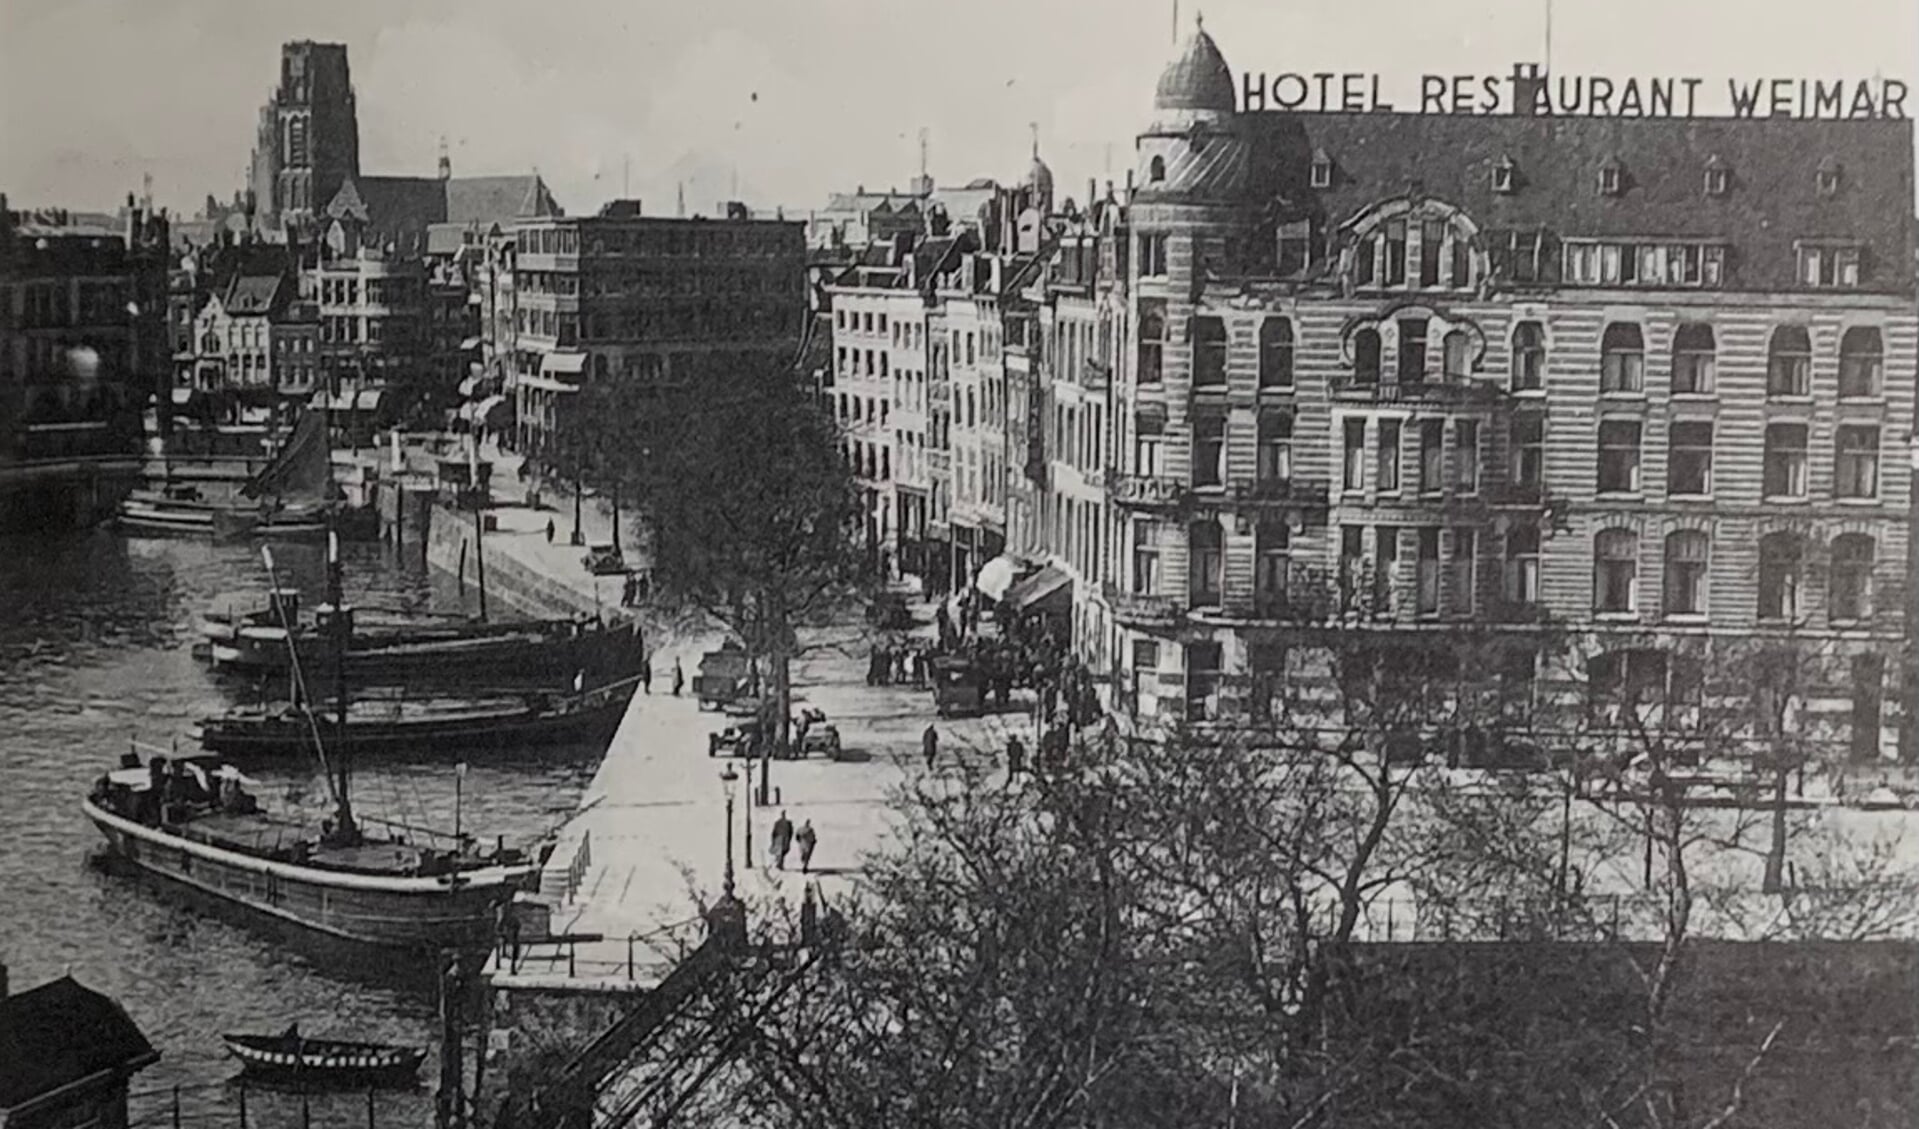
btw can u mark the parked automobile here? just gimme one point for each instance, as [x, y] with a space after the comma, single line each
[604, 560]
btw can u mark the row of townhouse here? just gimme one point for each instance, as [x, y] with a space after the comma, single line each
[1408, 374]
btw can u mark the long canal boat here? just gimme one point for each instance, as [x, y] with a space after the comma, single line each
[192, 821]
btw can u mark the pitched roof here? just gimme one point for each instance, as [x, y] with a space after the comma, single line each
[1773, 198]
[494, 199]
[253, 295]
[59, 1033]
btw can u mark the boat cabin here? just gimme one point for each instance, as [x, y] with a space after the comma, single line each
[164, 791]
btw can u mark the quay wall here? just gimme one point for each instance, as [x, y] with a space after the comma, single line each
[510, 582]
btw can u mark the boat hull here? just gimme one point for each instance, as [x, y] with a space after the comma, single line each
[290, 735]
[189, 520]
[415, 913]
[499, 653]
[309, 1062]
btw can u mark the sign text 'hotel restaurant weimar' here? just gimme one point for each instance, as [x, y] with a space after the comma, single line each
[1527, 91]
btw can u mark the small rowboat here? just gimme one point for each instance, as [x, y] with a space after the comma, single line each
[292, 1056]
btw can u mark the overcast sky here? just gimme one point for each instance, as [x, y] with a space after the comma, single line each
[795, 97]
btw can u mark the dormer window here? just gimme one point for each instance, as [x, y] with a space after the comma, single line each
[1827, 177]
[1718, 178]
[1156, 170]
[1322, 172]
[1610, 178]
[1504, 175]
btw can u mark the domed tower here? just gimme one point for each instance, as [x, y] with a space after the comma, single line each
[1039, 182]
[1193, 150]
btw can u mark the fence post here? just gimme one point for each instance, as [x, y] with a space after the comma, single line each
[243, 1105]
[306, 1111]
[369, 1107]
[572, 950]
[629, 956]
[176, 1105]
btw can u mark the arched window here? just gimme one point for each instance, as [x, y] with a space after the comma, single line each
[1276, 353]
[1686, 552]
[1458, 354]
[1529, 356]
[1616, 571]
[1209, 352]
[1780, 556]
[1789, 362]
[1156, 170]
[1850, 597]
[1694, 356]
[1206, 563]
[1862, 358]
[1366, 356]
[1622, 358]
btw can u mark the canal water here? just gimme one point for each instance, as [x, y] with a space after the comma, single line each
[96, 638]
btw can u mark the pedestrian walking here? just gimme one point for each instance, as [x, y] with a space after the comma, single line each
[679, 679]
[646, 674]
[549, 531]
[1015, 758]
[807, 839]
[930, 745]
[782, 840]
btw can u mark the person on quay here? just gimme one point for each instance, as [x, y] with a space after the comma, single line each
[646, 674]
[679, 678]
[807, 839]
[1015, 759]
[549, 531]
[930, 746]
[782, 840]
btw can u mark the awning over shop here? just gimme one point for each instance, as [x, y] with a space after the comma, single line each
[996, 576]
[545, 384]
[1049, 589]
[570, 364]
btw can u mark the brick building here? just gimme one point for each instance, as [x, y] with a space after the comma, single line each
[1649, 378]
[308, 141]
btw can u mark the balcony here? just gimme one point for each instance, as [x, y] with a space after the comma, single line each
[1146, 491]
[1440, 393]
[1138, 609]
[1281, 492]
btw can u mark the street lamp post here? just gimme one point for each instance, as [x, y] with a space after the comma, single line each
[729, 778]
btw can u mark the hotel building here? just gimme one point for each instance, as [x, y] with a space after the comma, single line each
[1650, 379]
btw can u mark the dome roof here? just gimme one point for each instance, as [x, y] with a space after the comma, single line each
[1198, 79]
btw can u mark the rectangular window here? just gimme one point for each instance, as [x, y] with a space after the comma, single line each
[1267, 664]
[1353, 464]
[1270, 566]
[1206, 565]
[1785, 460]
[1689, 459]
[1829, 267]
[1209, 450]
[1618, 456]
[1522, 566]
[1202, 681]
[1148, 436]
[1152, 339]
[1856, 462]
[1428, 598]
[1466, 442]
[1432, 244]
[1686, 573]
[1145, 559]
[1352, 562]
[1386, 558]
[1152, 256]
[1465, 571]
[1529, 451]
[1395, 244]
[1275, 448]
[1145, 673]
[1389, 454]
[1209, 352]
[1412, 350]
[1432, 456]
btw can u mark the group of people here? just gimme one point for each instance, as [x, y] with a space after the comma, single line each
[785, 839]
[907, 663]
[636, 590]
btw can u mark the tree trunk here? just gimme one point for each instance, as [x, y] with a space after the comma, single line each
[614, 495]
[1775, 878]
[779, 658]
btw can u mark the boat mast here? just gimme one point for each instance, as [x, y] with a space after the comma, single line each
[339, 625]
